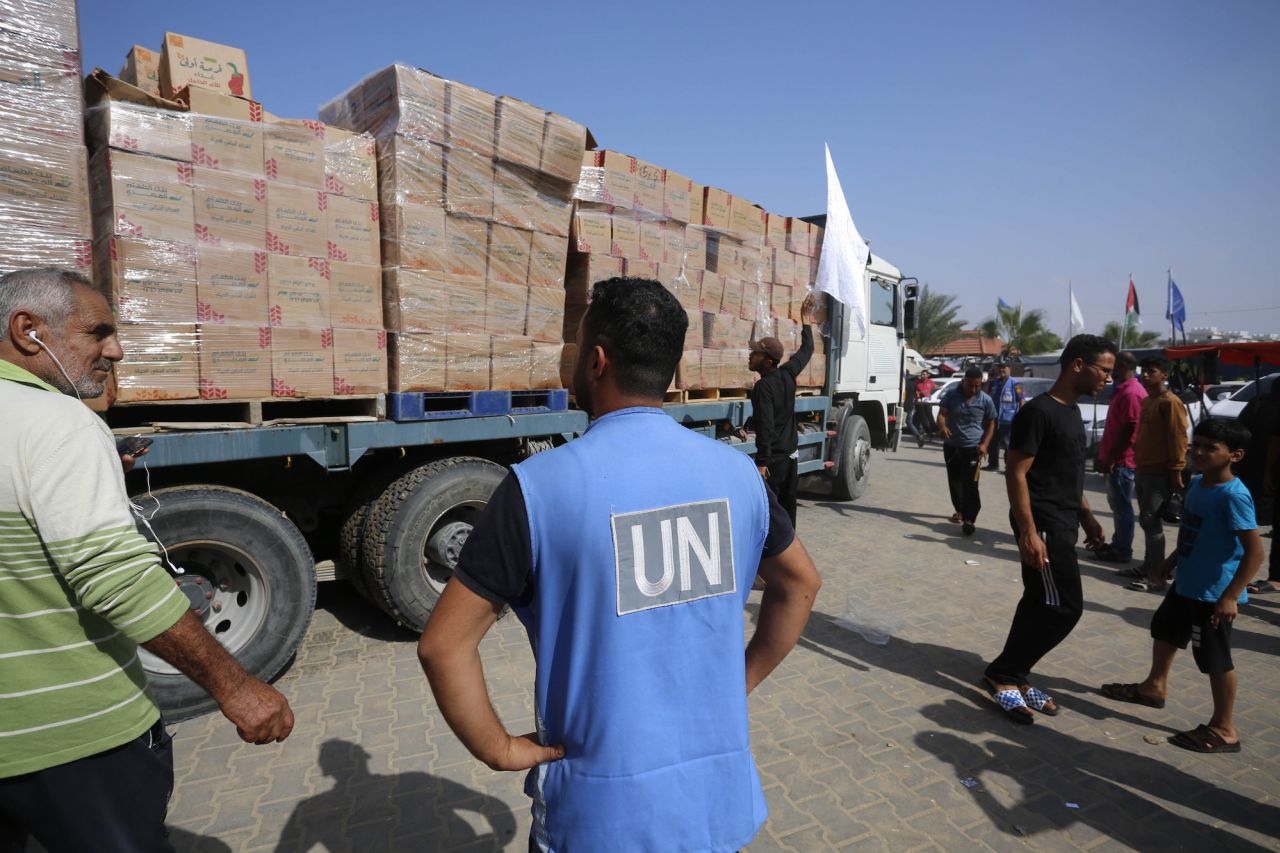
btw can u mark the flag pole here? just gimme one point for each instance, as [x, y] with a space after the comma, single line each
[1124, 320]
[1173, 336]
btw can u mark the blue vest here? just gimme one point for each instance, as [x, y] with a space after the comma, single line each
[1006, 399]
[646, 537]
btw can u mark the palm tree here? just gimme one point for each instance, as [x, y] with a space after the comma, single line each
[1133, 339]
[936, 323]
[1024, 331]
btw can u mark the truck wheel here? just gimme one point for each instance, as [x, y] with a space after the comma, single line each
[351, 533]
[854, 457]
[416, 530]
[248, 574]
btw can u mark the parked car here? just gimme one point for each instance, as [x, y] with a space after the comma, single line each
[1232, 406]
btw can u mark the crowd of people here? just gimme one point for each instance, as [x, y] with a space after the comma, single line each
[627, 555]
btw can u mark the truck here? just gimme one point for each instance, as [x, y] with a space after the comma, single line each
[249, 518]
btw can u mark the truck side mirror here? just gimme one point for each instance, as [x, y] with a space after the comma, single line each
[910, 293]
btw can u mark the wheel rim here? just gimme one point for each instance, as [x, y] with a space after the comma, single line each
[449, 532]
[226, 588]
[861, 458]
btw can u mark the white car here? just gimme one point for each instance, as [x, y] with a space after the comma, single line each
[1231, 407]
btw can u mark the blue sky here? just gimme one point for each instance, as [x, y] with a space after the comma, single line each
[991, 149]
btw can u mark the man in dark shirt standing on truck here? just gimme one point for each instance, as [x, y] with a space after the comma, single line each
[773, 404]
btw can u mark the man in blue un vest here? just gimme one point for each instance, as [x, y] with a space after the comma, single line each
[1007, 394]
[628, 556]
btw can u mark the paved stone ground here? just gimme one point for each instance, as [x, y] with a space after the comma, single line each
[860, 746]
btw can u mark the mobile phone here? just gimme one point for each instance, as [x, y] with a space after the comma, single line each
[133, 445]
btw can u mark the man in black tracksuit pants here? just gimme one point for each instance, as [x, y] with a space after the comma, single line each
[773, 403]
[1048, 508]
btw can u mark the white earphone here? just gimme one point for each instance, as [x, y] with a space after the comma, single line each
[35, 336]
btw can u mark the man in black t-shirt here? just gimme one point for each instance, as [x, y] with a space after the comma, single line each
[1047, 509]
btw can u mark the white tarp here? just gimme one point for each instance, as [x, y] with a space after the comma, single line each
[842, 268]
[1076, 327]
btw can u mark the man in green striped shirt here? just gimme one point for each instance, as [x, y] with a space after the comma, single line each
[85, 763]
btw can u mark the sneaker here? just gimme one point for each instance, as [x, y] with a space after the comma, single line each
[968, 528]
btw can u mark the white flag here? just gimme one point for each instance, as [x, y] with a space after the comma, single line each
[1077, 318]
[842, 268]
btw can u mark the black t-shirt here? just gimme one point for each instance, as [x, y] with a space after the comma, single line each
[1054, 434]
[497, 561]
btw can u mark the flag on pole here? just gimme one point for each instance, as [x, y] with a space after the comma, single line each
[1132, 315]
[1002, 305]
[1176, 310]
[1077, 318]
[842, 267]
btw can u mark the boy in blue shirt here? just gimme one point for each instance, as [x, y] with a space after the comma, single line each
[1218, 552]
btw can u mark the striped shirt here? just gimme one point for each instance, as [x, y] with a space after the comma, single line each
[80, 588]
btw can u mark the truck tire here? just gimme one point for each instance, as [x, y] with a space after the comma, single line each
[249, 575]
[416, 529]
[351, 532]
[853, 455]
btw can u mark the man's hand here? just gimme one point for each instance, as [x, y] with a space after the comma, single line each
[128, 460]
[522, 752]
[808, 308]
[1032, 550]
[1176, 480]
[259, 712]
[1224, 611]
[1104, 467]
[1094, 537]
[944, 429]
[764, 471]
[982, 452]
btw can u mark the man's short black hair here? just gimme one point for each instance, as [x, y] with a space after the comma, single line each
[1087, 347]
[1160, 364]
[1125, 362]
[973, 372]
[1232, 433]
[641, 326]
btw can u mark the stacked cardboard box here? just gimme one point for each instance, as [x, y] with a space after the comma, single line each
[711, 248]
[240, 251]
[44, 199]
[476, 198]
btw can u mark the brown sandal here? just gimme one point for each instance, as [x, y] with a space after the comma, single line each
[1203, 739]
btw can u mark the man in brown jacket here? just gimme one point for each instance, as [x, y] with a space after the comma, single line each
[1159, 455]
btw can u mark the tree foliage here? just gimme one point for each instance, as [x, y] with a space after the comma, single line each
[936, 323]
[1024, 331]
[1133, 338]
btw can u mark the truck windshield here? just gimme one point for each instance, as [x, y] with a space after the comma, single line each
[883, 297]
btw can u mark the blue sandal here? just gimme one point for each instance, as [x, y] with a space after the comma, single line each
[1011, 703]
[1038, 700]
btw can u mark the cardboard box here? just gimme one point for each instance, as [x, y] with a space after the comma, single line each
[467, 304]
[293, 152]
[563, 144]
[747, 221]
[515, 201]
[468, 184]
[775, 232]
[412, 171]
[635, 268]
[466, 246]
[613, 183]
[548, 254]
[359, 361]
[716, 204]
[415, 301]
[413, 236]
[509, 254]
[697, 203]
[544, 370]
[797, 236]
[44, 194]
[689, 288]
[545, 314]
[186, 61]
[160, 362]
[553, 208]
[355, 295]
[511, 363]
[298, 290]
[675, 196]
[584, 271]
[147, 281]
[752, 309]
[47, 250]
[302, 362]
[713, 287]
[353, 230]
[470, 117]
[653, 243]
[780, 301]
[784, 267]
[625, 242]
[350, 164]
[139, 196]
[731, 303]
[695, 247]
[41, 86]
[416, 362]
[649, 188]
[815, 242]
[521, 127]
[505, 308]
[142, 69]
[235, 362]
[592, 230]
[125, 117]
[689, 371]
[226, 132]
[297, 223]
[467, 358]
[230, 209]
[231, 286]
[397, 99]
[693, 333]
